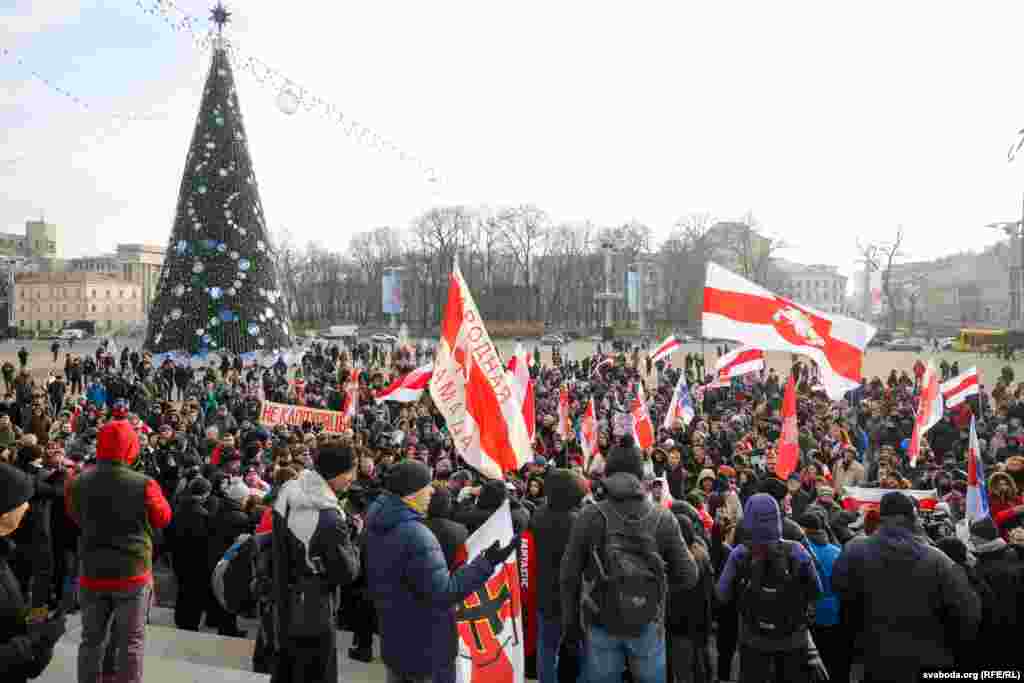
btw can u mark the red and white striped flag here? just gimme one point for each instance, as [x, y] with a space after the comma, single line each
[735, 308]
[564, 428]
[351, 396]
[519, 366]
[787, 452]
[408, 388]
[742, 361]
[955, 391]
[588, 433]
[666, 348]
[855, 497]
[474, 392]
[929, 411]
[643, 429]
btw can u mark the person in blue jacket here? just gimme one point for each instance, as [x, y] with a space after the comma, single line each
[96, 394]
[409, 581]
[828, 634]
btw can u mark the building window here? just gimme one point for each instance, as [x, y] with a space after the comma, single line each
[108, 293]
[94, 308]
[94, 294]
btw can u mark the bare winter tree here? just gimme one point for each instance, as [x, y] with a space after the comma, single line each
[523, 232]
[375, 251]
[889, 252]
[685, 255]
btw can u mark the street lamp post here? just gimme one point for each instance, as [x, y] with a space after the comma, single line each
[1015, 231]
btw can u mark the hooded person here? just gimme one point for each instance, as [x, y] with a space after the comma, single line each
[998, 568]
[117, 510]
[1003, 498]
[906, 603]
[779, 639]
[226, 524]
[191, 529]
[689, 617]
[25, 651]
[551, 526]
[414, 592]
[313, 555]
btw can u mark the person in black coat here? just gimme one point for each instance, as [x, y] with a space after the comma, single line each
[688, 618]
[492, 494]
[33, 559]
[226, 524]
[551, 526]
[25, 648]
[450, 534]
[190, 527]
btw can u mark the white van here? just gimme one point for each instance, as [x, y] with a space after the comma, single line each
[77, 335]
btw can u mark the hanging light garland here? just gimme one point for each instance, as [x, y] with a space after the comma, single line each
[290, 96]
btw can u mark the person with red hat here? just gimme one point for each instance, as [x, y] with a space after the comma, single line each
[117, 509]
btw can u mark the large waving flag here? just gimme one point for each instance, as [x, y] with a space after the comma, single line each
[474, 392]
[929, 411]
[958, 389]
[564, 422]
[519, 366]
[735, 308]
[408, 388]
[739, 362]
[787, 452]
[977, 496]
[855, 497]
[665, 348]
[681, 407]
[489, 621]
[588, 433]
[643, 429]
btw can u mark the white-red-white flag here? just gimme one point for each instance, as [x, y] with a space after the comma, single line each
[739, 362]
[643, 429]
[665, 348]
[787, 452]
[735, 308]
[929, 411]
[588, 434]
[474, 392]
[958, 389]
[489, 621]
[855, 498]
[519, 366]
[564, 428]
[409, 387]
[351, 396]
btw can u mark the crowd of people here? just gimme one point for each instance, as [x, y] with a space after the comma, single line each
[657, 564]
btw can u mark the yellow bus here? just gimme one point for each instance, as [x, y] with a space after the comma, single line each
[981, 341]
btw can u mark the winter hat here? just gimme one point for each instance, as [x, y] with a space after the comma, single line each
[443, 469]
[826, 492]
[954, 548]
[200, 488]
[762, 518]
[117, 441]
[237, 490]
[810, 521]
[624, 459]
[985, 536]
[407, 477]
[706, 474]
[774, 487]
[333, 459]
[492, 494]
[15, 488]
[896, 503]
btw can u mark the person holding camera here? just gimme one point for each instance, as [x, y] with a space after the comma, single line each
[26, 645]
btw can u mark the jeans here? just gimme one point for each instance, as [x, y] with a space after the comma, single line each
[787, 666]
[549, 633]
[607, 654]
[113, 634]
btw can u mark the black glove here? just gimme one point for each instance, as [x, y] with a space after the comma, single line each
[497, 555]
[48, 632]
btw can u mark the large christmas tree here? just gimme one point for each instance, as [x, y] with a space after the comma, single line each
[218, 288]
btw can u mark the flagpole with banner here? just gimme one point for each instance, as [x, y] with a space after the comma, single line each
[472, 389]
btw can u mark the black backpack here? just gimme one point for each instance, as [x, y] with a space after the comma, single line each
[631, 581]
[772, 602]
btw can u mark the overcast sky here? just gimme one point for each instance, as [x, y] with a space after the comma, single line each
[827, 123]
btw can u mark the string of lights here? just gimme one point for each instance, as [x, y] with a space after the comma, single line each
[291, 97]
[72, 97]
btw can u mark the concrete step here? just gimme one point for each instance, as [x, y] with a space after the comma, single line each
[64, 668]
[200, 653]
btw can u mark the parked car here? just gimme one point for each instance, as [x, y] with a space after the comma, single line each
[552, 340]
[382, 338]
[905, 345]
[596, 338]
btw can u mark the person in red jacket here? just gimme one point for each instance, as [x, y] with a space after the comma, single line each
[117, 509]
[1003, 499]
